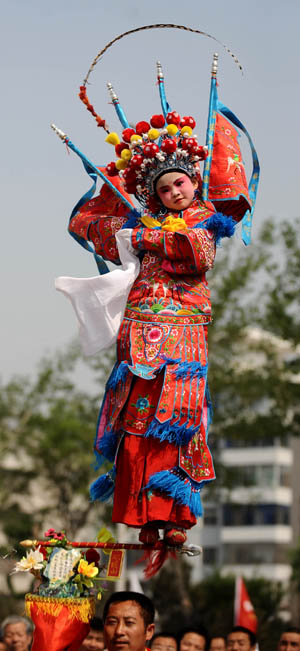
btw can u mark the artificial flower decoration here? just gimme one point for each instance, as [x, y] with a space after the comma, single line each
[34, 560]
[58, 537]
[63, 569]
[87, 569]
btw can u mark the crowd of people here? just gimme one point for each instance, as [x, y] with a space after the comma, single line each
[128, 625]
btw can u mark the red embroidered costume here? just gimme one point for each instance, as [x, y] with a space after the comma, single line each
[156, 410]
[155, 416]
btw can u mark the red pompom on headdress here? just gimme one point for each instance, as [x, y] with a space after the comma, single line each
[150, 151]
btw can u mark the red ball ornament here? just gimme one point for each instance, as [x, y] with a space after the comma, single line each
[201, 152]
[129, 175]
[157, 121]
[173, 118]
[136, 161]
[111, 169]
[127, 133]
[119, 148]
[130, 188]
[185, 144]
[191, 143]
[142, 127]
[188, 121]
[194, 149]
[150, 150]
[168, 145]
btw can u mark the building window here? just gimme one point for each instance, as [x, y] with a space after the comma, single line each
[241, 515]
[239, 553]
[209, 555]
[210, 516]
[267, 476]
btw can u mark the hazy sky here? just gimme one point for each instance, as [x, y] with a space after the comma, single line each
[46, 50]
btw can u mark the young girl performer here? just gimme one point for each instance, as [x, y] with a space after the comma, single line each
[155, 416]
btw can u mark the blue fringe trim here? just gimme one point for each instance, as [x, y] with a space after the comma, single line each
[171, 432]
[108, 445]
[190, 369]
[169, 360]
[103, 487]
[220, 225]
[119, 374]
[178, 486]
[133, 219]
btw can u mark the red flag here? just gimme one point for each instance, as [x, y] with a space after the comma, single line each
[244, 614]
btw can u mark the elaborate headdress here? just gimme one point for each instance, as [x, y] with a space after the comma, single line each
[150, 150]
[167, 143]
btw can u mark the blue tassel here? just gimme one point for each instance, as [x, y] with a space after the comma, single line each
[108, 444]
[190, 369]
[221, 225]
[171, 432]
[103, 487]
[133, 219]
[119, 374]
[179, 487]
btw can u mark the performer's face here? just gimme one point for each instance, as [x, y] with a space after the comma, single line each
[176, 190]
[124, 627]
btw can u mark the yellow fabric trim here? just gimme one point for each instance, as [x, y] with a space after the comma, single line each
[82, 609]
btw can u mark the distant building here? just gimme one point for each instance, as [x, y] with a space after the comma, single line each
[249, 529]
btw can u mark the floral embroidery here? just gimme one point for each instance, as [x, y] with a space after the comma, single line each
[142, 404]
[154, 335]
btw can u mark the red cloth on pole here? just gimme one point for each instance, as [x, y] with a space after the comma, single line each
[60, 624]
[244, 614]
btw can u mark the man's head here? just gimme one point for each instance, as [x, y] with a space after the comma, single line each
[217, 643]
[16, 633]
[164, 641]
[128, 621]
[193, 639]
[290, 639]
[176, 190]
[240, 639]
[94, 641]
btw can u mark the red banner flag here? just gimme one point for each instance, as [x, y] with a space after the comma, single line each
[244, 614]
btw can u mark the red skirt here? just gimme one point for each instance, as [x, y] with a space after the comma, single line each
[138, 459]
